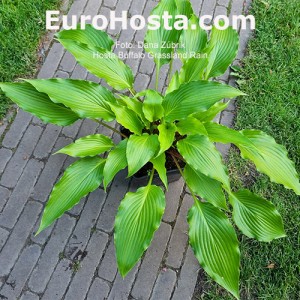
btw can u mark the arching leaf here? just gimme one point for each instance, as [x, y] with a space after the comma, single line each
[138, 217]
[200, 153]
[38, 104]
[90, 145]
[140, 149]
[215, 245]
[81, 178]
[87, 99]
[256, 217]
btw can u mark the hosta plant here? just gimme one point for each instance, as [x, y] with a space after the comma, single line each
[177, 125]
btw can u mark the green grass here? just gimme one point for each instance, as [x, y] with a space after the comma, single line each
[271, 74]
[21, 25]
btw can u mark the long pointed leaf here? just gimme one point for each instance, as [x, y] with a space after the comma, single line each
[90, 145]
[200, 153]
[195, 96]
[215, 245]
[87, 99]
[256, 217]
[81, 178]
[138, 217]
[140, 149]
[39, 104]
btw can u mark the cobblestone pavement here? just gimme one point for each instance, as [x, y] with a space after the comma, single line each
[74, 259]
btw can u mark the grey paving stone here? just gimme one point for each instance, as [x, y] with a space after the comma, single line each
[110, 3]
[47, 141]
[151, 263]
[147, 65]
[62, 74]
[88, 127]
[93, 78]
[50, 256]
[121, 6]
[50, 172]
[164, 285]
[137, 7]
[37, 121]
[172, 200]
[59, 281]
[223, 2]
[208, 7]
[20, 158]
[77, 7]
[72, 130]
[5, 155]
[227, 118]
[20, 272]
[116, 194]
[244, 41]
[86, 222]
[77, 209]
[187, 278]
[141, 82]
[179, 236]
[42, 237]
[162, 78]
[223, 149]
[121, 287]
[52, 61]
[29, 296]
[4, 196]
[197, 6]
[132, 62]
[99, 290]
[68, 62]
[220, 10]
[108, 266]
[18, 237]
[84, 276]
[21, 193]
[79, 72]
[16, 130]
[3, 237]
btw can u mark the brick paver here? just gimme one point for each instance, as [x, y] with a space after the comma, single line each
[75, 258]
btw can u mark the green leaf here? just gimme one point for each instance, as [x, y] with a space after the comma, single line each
[184, 7]
[127, 118]
[193, 40]
[155, 40]
[193, 70]
[152, 105]
[39, 104]
[200, 153]
[195, 96]
[271, 159]
[215, 245]
[115, 162]
[81, 178]
[222, 134]
[222, 48]
[89, 36]
[190, 126]
[166, 136]
[87, 99]
[140, 149]
[174, 83]
[211, 113]
[138, 218]
[90, 145]
[102, 63]
[256, 217]
[205, 187]
[159, 164]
